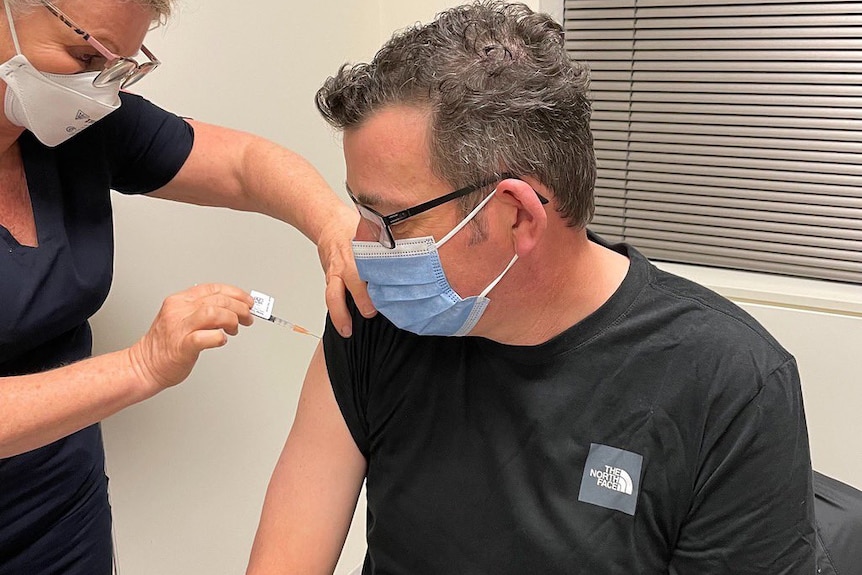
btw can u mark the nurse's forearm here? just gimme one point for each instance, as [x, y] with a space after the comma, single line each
[38, 409]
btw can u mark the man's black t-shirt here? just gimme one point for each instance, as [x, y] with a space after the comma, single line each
[665, 433]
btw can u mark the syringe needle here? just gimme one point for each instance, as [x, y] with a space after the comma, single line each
[293, 326]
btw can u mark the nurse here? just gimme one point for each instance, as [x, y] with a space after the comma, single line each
[69, 135]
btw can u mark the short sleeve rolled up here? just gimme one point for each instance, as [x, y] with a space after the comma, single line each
[146, 146]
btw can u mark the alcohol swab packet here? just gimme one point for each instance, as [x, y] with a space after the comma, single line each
[262, 308]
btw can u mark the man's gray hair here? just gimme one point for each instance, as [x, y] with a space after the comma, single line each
[503, 95]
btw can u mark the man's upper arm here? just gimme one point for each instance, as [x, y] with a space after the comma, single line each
[313, 491]
[753, 508]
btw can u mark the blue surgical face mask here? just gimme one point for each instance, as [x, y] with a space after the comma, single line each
[408, 286]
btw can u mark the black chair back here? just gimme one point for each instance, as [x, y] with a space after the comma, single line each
[838, 513]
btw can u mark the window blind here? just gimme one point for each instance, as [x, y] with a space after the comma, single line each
[728, 134]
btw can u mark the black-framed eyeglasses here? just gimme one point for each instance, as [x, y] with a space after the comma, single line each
[117, 68]
[380, 225]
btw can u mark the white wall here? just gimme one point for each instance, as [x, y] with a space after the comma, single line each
[189, 467]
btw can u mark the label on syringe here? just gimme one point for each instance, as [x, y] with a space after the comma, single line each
[263, 305]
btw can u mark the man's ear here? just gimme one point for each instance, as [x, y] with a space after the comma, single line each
[528, 218]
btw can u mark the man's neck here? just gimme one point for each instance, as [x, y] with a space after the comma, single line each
[564, 282]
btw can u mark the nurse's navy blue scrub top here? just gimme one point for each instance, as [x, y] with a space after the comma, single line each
[54, 512]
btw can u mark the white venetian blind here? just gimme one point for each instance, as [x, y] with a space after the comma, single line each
[728, 133]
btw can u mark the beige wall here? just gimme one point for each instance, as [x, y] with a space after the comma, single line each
[189, 467]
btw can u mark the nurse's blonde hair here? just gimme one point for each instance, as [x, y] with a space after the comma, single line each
[161, 9]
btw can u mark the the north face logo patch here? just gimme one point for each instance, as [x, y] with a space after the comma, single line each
[611, 478]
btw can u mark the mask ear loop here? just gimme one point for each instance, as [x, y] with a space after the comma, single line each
[466, 220]
[12, 27]
[499, 277]
[461, 225]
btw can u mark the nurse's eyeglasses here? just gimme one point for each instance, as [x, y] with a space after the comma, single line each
[120, 69]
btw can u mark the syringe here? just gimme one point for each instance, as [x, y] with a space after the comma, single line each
[262, 308]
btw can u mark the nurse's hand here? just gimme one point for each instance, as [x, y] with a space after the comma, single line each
[336, 257]
[189, 322]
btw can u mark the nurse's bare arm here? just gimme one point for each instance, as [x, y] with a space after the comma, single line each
[233, 169]
[38, 409]
[313, 491]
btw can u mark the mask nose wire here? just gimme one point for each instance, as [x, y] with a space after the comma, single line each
[466, 220]
[12, 27]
